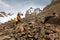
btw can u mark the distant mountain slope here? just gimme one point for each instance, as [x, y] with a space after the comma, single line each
[4, 17]
[4, 14]
[32, 11]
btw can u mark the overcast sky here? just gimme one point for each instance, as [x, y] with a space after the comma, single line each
[14, 6]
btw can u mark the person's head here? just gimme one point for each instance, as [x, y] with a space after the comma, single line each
[18, 14]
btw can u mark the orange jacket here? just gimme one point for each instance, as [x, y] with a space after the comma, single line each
[18, 18]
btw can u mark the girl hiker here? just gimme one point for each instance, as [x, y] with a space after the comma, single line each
[18, 24]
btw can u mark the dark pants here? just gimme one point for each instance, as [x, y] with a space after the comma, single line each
[18, 22]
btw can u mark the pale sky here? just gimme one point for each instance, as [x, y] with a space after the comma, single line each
[14, 6]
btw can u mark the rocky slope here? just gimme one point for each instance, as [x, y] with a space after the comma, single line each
[33, 30]
[54, 7]
[43, 26]
[32, 11]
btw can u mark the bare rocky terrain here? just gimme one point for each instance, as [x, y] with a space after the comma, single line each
[42, 26]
